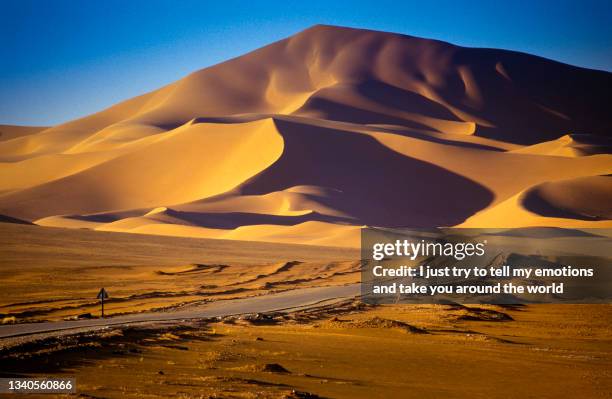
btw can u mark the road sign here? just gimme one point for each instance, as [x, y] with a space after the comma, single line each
[102, 295]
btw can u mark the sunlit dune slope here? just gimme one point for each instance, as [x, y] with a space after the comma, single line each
[311, 137]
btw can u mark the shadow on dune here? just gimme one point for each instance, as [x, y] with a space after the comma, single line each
[232, 220]
[537, 99]
[9, 219]
[372, 101]
[379, 186]
[325, 108]
[393, 129]
[98, 218]
[584, 198]
[440, 140]
[586, 144]
[535, 202]
[395, 98]
[347, 110]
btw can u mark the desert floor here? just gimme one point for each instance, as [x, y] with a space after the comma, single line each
[55, 273]
[546, 351]
[344, 350]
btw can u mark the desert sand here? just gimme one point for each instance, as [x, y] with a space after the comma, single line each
[404, 351]
[225, 174]
[394, 351]
[309, 138]
[54, 274]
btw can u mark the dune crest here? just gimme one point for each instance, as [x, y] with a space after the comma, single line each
[311, 137]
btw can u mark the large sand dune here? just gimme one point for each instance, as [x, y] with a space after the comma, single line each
[311, 137]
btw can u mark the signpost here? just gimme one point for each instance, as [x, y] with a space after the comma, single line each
[102, 295]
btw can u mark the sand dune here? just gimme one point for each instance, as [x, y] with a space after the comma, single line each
[586, 198]
[8, 132]
[8, 219]
[311, 137]
[571, 145]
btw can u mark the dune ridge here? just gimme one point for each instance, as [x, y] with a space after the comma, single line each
[309, 138]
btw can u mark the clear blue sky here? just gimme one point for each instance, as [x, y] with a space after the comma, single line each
[65, 59]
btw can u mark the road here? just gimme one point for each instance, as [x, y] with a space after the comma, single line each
[283, 301]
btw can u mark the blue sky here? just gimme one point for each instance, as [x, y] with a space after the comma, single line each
[65, 59]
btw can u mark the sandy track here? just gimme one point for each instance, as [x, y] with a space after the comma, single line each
[284, 301]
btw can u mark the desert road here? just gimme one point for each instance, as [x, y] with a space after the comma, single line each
[283, 301]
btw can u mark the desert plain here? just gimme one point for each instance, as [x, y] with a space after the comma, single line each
[339, 348]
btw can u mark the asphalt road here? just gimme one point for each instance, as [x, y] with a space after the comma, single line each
[283, 301]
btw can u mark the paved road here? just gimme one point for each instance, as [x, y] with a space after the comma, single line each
[283, 301]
